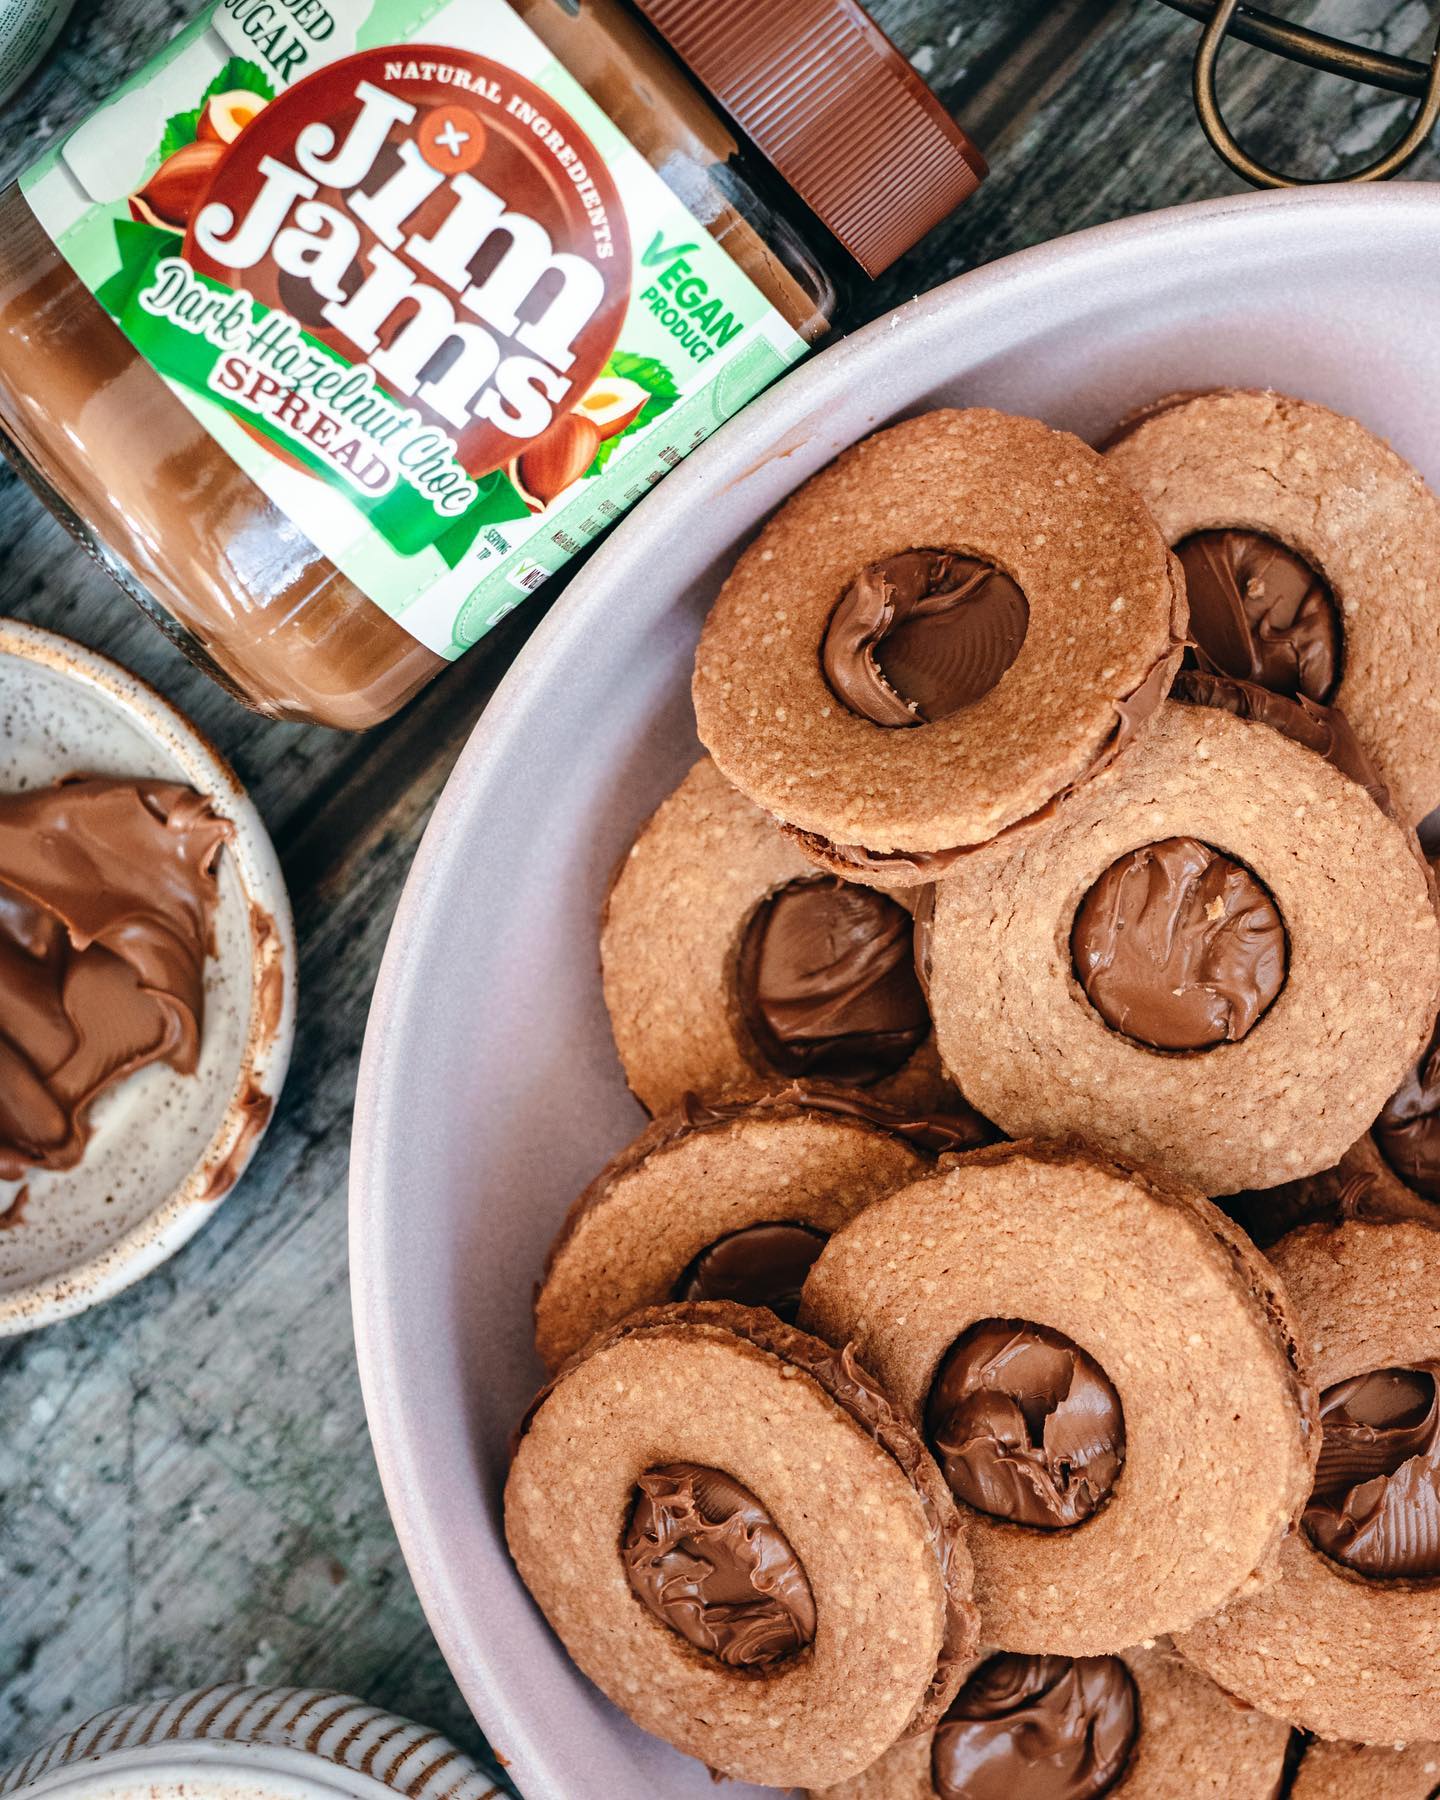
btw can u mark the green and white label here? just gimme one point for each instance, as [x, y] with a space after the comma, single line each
[416, 284]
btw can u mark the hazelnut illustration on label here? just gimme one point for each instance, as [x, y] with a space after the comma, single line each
[418, 286]
[413, 270]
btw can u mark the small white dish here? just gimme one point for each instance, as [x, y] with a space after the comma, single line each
[231, 1742]
[166, 1148]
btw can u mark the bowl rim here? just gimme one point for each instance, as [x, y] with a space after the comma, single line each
[177, 1216]
[781, 421]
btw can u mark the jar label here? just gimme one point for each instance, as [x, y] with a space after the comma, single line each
[415, 282]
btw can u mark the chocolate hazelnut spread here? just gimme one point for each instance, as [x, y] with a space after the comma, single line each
[1259, 612]
[929, 865]
[1025, 1425]
[923, 932]
[1323, 729]
[842, 1379]
[107, 899]
[1037, 1728]
[1179, 947]
[709, 1561]
[1268, 1214]
[383, 332]
[254, 1107]
[921, 635]
[826, 984]
[1375, 1506]
[1407, 1133]
[848, 1385]
[759, 1265]
[1131, 714]
[936, 1133]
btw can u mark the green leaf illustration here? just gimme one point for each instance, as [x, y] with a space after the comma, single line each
[137, 245]
[497, 501]
[240, 72]
[180, 129]
[645, 371]
[649, 373]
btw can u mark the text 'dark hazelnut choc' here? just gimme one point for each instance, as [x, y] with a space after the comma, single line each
[428, 320]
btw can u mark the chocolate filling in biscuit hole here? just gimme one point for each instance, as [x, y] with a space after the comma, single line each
[825, 983]
[1407, 1133]
[1375, 1506]
[1259, 612]
[708, 1560]
[759, 1265]
[1025, 1425]
[1179, 947]
[921, 635]
[1323, 729]
[1037, 1728]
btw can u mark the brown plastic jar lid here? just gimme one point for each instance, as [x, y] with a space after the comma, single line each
[830, 102]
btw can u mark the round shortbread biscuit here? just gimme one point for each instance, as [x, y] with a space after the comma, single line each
[1033, 1054]
[1178, 1311]
[797, 1156]
[887, 803]
[1330, 1650]
[1193, 1740]
[1323, 486]
[851, 1487]
[671, 934]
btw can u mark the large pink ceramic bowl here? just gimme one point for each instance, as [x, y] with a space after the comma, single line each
[489, 1092]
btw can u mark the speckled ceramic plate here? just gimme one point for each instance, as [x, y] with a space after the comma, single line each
[166, 1148]
[490, 1091]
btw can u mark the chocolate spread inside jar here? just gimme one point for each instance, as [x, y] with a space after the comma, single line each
[437, 175]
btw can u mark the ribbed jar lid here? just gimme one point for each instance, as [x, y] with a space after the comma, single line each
[830, 102]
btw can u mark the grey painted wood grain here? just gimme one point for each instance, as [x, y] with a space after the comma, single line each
[186, 1488]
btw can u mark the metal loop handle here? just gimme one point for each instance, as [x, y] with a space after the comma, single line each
[1316, 49]
[1396, 74]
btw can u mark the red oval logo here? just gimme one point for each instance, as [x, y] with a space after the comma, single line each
[436, 216]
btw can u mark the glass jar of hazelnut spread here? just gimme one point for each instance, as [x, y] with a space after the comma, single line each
[347, 322]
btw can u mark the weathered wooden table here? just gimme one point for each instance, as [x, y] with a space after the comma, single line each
[186, 1486]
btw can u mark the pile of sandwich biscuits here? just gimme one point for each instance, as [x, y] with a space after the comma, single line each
[1007, 1367]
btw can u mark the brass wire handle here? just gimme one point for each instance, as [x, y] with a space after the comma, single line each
[1397, 74]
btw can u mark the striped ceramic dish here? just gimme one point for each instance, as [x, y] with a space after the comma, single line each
[233, 1742]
